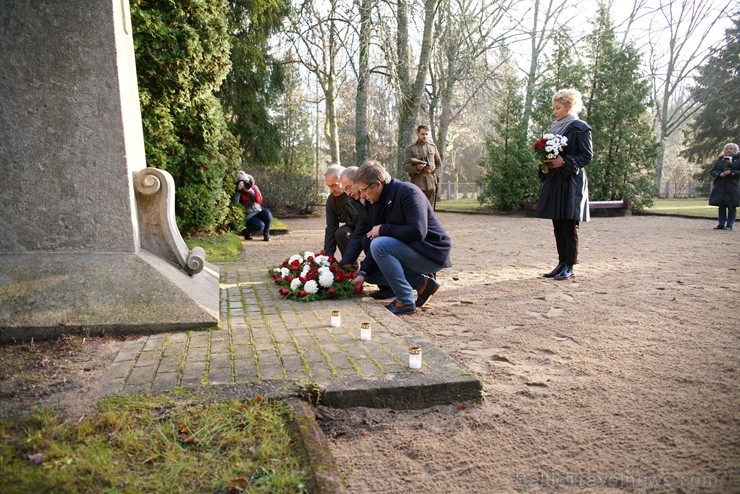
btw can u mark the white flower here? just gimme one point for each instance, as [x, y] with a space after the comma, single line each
[311, 286]
[326, 278]
[308, 254]
[295, 284]
[277, 270]
[322, 260]
[284, 272]
[295, 258]
[305, 270]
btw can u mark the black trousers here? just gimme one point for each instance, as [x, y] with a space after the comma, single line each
[566, 239]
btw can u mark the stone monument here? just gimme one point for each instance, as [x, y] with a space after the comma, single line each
[88, 240]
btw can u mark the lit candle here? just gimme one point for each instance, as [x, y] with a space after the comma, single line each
[336, 319]
[415, 357]
[365, 331]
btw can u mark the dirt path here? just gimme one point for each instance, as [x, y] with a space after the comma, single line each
[625, 378]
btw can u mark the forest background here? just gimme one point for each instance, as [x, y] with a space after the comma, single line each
[283, 89]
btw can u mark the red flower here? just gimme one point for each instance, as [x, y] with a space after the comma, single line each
[332, 259]
[540, 145]
[284, 291]
[303, 279]
[284, 264]
[339, 276]
[288, 278]
[278, 281]
[302, 293]
[358, 287]
[310, 259]
[332, 292]
[295, 265]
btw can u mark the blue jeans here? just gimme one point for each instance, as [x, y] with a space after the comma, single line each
[727, 215]
[401, 267]
[260, 221]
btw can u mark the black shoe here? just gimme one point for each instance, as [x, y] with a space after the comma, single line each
[565, 274]
[555, 272]
[719, 227]
[398, 308]
[428, 289]
[266, 236]
[383, 292]
[248, 236]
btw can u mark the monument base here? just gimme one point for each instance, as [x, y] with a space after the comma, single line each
[44, 295]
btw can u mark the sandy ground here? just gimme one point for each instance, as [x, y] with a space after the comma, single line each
[623, 379]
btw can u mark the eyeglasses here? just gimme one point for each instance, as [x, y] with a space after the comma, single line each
[368, 187]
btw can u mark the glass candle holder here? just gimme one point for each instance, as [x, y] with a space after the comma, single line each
[415, 357]
[336, 319]
[366, 332]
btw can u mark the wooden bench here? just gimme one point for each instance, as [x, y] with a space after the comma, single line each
[615, 208]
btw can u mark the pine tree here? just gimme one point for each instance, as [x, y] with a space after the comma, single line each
[510, 179]
[255, 80]
[718, 89]
[617, 110]
[563, 70]
[293, 123]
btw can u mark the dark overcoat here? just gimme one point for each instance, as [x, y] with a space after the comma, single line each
[404, 213]
[564, 193]
[725, 190]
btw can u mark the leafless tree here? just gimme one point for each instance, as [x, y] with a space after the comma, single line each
[319, 39]
[468, 31]
[678, 46]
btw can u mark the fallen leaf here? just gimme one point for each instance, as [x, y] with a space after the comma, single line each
[36, 459]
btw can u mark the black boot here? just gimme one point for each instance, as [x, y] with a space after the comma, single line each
[247, 235]
[566, 273]
[555, 272]
[266, 236]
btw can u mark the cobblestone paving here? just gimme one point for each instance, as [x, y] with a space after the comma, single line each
[265, 338]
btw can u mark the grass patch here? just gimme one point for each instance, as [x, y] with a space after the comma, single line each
[462, 206]
[695, 208]
[144, 444]
[228, 246]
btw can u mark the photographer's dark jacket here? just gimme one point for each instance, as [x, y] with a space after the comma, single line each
[404, 213]
[425, 152]
[725, 190]
[564, 194]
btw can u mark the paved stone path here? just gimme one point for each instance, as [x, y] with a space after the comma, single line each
[265, 339]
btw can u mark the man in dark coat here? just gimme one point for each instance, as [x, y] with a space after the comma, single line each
[407, 241]
[341, 214]
[564, 194]
[726, 186]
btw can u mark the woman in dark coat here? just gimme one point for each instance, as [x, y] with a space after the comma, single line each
[726, 186]
[564, 194]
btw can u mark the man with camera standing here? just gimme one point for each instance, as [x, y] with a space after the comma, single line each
[421, 161]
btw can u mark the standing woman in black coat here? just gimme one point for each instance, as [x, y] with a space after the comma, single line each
[564, 194]
[726, 186]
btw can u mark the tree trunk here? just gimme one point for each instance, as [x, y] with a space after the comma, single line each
[411, 96]
[362, 141]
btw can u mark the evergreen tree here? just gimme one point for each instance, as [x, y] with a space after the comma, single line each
[717, 89]
[616, 109]
[255, 80]
[182, 56]
[293, 123]
[563, 70]
[510, 179]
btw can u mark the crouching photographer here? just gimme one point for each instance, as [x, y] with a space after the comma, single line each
[257, 219]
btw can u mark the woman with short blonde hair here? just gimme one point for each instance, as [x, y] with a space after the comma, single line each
[564, 193]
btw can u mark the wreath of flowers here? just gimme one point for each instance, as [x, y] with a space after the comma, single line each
[313, 276]
[550, 146]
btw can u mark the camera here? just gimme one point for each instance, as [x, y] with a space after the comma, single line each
[246, 184]
[425, 159]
